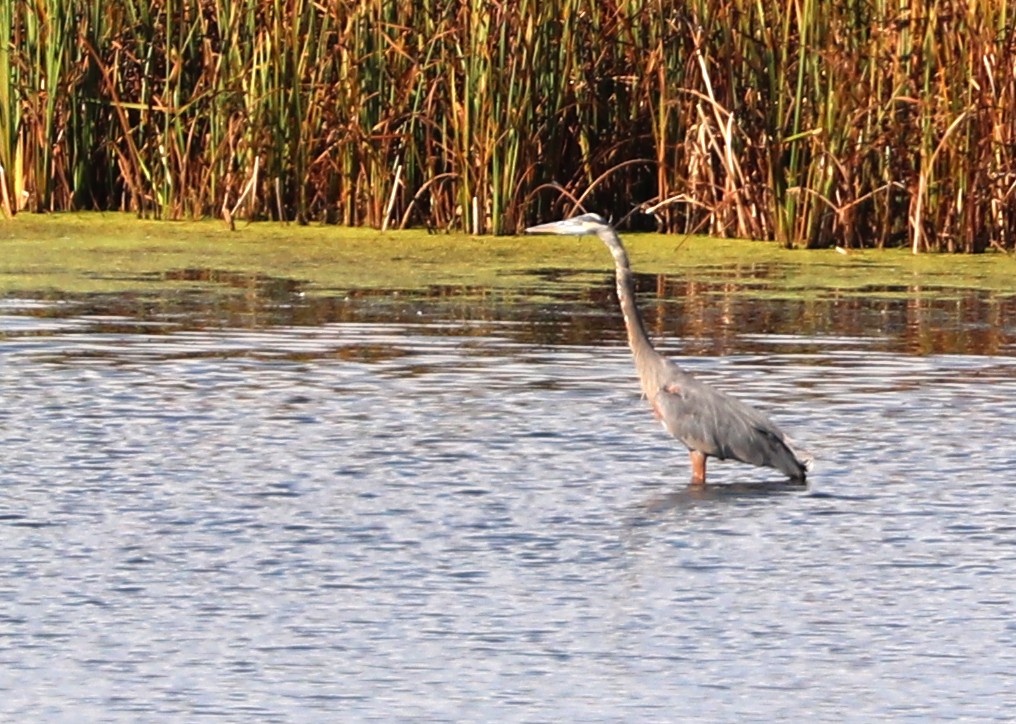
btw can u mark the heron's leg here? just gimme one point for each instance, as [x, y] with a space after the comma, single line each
[698, 467]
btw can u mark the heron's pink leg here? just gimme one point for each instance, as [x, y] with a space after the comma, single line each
[698, 467]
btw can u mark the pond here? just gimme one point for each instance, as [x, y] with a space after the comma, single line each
[453, 505]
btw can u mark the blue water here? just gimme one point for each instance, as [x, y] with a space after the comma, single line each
[443, 521]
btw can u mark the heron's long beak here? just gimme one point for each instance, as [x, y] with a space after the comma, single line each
[576, 226]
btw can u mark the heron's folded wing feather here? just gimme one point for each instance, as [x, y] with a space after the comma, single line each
[711, 422]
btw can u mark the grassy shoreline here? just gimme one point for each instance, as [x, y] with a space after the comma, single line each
[109, 252]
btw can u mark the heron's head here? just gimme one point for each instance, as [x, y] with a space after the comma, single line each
[575, 226]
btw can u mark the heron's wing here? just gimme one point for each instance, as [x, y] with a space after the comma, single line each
[711, 422]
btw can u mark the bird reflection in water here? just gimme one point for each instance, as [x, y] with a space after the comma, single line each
[698, 493]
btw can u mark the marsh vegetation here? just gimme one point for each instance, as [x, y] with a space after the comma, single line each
[854, 124]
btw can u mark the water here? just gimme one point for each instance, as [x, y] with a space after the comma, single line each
[402, 514]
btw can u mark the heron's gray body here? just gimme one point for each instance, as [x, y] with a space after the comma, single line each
[708, 422]
[723, 427]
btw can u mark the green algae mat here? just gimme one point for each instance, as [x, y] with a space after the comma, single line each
[110, 253]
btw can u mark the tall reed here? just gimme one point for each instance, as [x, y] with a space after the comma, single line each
[857, 123]
[10, 81]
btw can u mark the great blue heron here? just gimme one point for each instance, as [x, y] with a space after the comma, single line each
[708, 422]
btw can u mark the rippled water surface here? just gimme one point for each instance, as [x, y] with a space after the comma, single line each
[436, 517]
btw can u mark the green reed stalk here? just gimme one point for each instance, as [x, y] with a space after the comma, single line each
[45, 46]
[10, 82]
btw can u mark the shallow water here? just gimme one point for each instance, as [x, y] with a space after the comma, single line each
[416, 510]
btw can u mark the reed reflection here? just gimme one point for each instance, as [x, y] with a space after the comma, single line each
[707, 318]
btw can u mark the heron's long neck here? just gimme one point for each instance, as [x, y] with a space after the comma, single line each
[646, 356]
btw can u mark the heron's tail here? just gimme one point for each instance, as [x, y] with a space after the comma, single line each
[804, 459]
